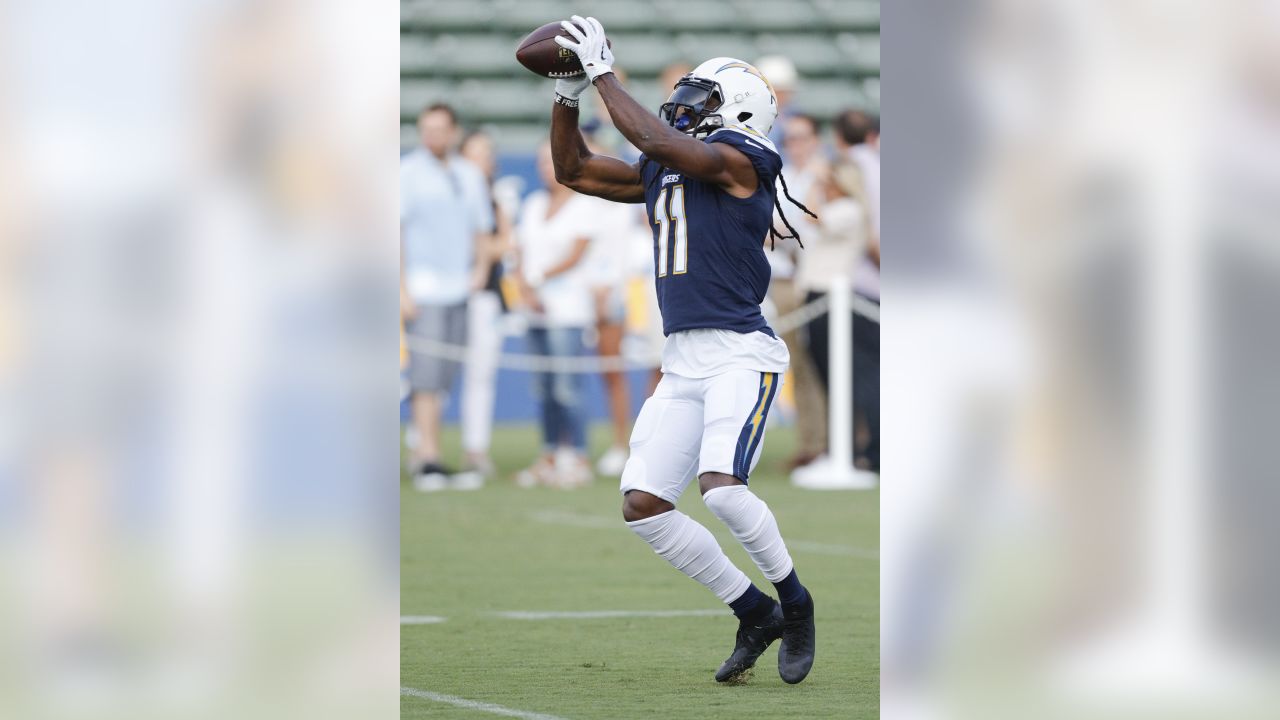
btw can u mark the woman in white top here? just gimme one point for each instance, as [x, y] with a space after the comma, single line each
[609, 270]
[843, 239]
[484, 321]
[554, 233]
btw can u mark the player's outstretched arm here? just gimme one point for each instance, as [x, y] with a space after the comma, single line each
[711, 162]
[584, 171]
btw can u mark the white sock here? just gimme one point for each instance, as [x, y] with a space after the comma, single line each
[691, 548]
[752, 523]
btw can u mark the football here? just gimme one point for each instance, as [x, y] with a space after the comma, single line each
[541, 55]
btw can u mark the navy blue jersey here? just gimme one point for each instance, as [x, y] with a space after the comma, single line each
[708, 246]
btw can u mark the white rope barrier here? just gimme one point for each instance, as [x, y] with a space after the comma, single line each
[797, 318]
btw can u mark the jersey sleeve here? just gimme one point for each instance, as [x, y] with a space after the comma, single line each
[648, 169]
[763, 157]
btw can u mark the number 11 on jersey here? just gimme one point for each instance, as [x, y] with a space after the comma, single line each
[669, 219]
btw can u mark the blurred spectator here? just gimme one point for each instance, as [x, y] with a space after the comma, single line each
[781, 75]
[841, 238]
[445, 214]
[554, 234]
[608, 272]
[484, 313]
[805, 164]
[858, 138]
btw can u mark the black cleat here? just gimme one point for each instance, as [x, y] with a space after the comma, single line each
[795, 654]
[753, 639]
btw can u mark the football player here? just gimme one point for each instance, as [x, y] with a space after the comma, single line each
[707, 177]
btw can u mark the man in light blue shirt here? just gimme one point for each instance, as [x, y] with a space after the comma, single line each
[446, 216]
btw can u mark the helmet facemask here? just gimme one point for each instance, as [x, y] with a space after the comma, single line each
[692, 107]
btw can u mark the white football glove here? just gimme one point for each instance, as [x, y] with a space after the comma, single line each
[572, 88]
[591, 48]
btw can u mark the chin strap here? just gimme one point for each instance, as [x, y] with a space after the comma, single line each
[703, 130]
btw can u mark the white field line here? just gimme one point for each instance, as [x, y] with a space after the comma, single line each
[476, 705]
[421, 619]
[599, 614]
[557, 517]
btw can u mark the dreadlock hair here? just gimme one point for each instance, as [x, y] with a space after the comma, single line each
[774, 235]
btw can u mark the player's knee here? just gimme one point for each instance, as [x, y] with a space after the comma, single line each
[639, 505]
[711, 480]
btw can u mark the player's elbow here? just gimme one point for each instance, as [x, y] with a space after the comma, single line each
[573, 182]
[565, 176]
[569, 178]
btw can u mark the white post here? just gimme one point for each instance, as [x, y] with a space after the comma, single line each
[837, 472]
[1162, 645]
[840, 382]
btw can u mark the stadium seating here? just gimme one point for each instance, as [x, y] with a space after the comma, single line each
[647, 54]
[462, 51]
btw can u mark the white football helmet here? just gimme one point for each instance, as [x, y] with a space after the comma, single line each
[721, 92]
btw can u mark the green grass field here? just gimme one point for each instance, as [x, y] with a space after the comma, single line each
[467, 556]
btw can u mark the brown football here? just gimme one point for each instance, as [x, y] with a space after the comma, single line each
[539, 53]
